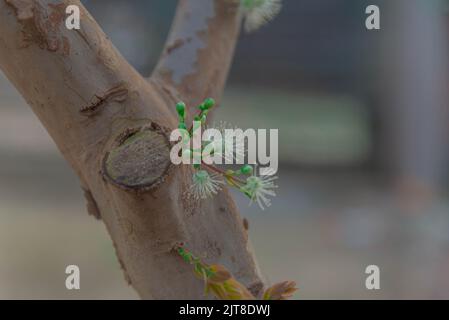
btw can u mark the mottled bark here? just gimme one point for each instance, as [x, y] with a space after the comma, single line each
[200, 48]
[111, 125]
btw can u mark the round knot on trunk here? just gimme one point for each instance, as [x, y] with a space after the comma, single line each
[141, 159]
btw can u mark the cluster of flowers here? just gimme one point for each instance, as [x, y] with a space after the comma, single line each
[208, 179]
[220, 282]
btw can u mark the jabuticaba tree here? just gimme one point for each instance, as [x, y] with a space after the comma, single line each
[112, 126]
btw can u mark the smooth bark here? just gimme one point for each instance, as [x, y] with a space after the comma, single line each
[111, 125]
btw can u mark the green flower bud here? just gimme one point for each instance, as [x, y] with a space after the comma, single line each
[182, 125]
[246, 169]
[181, 109]
[208, 103]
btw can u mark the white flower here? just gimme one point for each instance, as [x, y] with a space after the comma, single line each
[259, 188]
[205, 184]
[259, 12]
[228, 141]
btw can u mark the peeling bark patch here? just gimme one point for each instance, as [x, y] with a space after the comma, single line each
[195, 22]
[92, 207]
[140, 162]
[118, 93]
[41, 25]
[175, 45]
[24, 8]
[65, 46]
[246, 224]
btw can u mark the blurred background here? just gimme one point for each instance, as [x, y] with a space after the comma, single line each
[363, 128]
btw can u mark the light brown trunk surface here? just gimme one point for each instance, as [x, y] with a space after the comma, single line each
[111, 125]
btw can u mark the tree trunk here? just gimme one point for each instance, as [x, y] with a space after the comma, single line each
[111, 125]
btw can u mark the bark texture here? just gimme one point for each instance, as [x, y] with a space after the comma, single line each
[111, 125]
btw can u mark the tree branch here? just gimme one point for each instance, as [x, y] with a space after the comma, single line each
[112, 126]
[199, 49]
